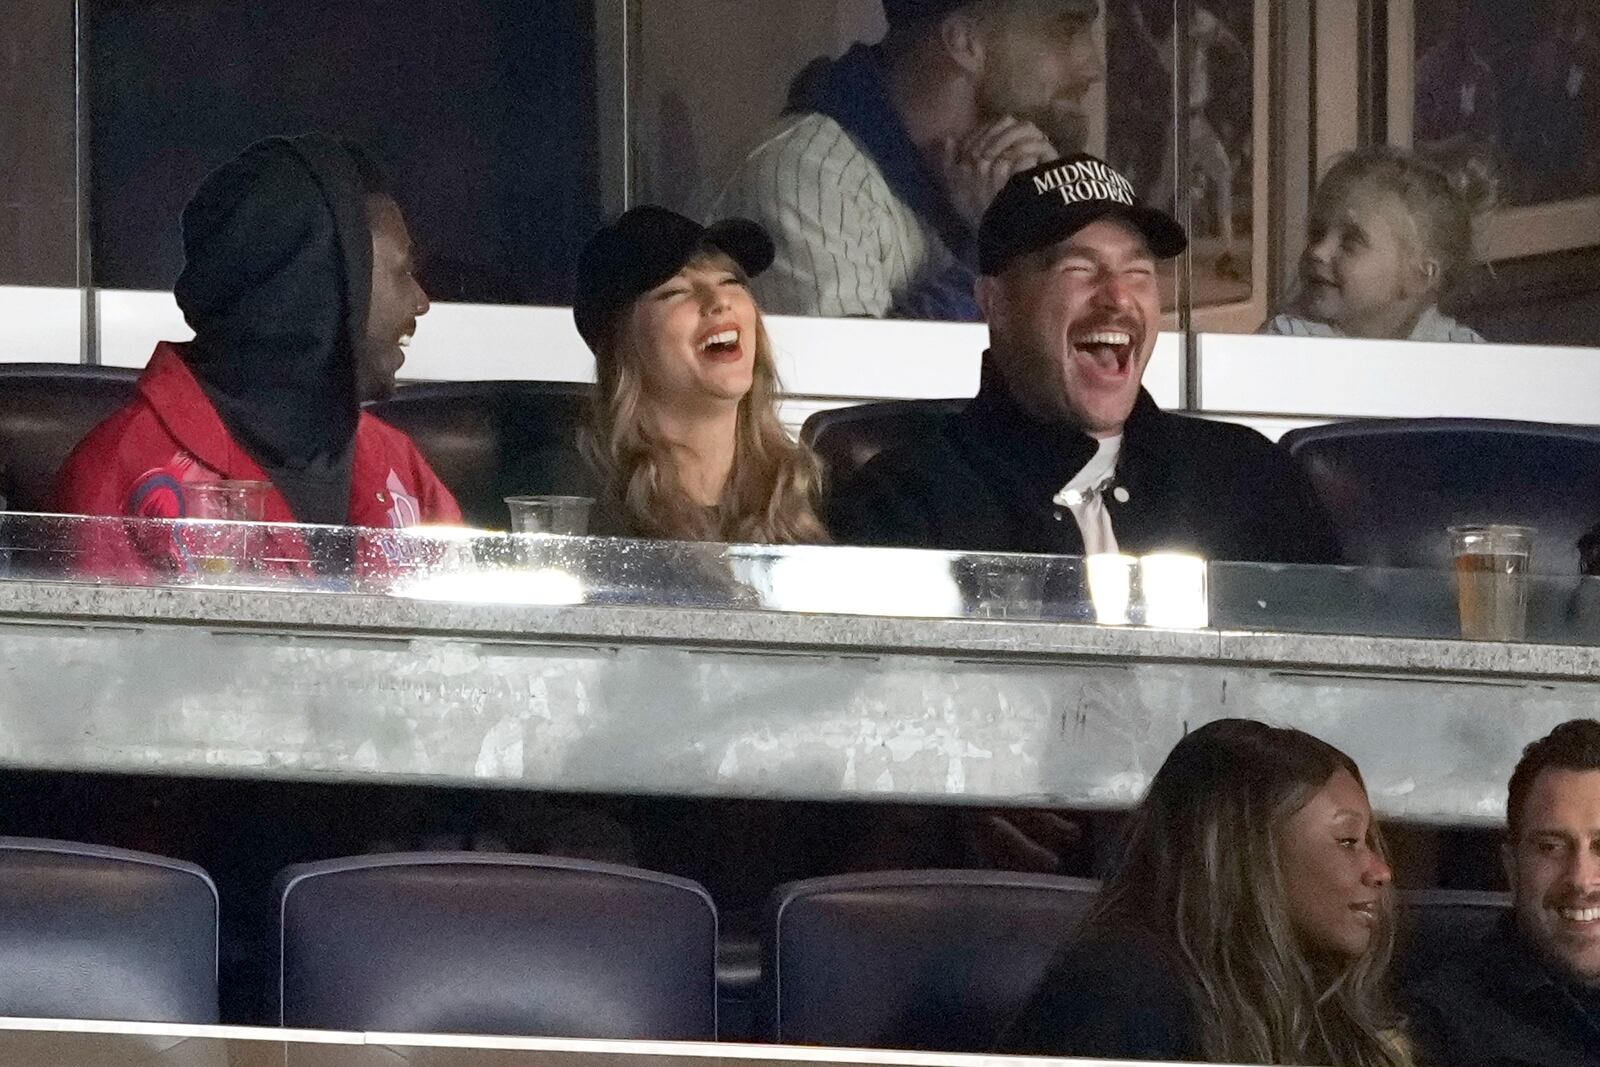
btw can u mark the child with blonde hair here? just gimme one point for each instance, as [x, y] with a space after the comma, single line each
[1390, 237]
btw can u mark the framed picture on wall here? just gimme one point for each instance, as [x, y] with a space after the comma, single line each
[1519, 83]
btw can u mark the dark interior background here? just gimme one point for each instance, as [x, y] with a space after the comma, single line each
[482, 110]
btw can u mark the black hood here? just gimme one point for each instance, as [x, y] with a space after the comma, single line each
[276, 284]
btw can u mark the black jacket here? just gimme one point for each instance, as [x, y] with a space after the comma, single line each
[1501, 1007]
[1113, 996]
[986, 481]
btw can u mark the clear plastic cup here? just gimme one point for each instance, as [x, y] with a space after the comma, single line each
[219, 546]
[1491, 563]
[549, 514]
[235, 500]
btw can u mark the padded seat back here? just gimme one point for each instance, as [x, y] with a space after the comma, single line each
[1392, 487]
[496, 944]
[1440, 926]
[846, 439]
[45, 410]
[88, 932]
[491, 440]
[935, 960]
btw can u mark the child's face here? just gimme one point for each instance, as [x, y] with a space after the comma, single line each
[1359, 272]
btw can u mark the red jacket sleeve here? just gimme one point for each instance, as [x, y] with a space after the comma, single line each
[99, 479]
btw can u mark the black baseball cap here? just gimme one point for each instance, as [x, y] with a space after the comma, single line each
[644, 247]
[1055, 200]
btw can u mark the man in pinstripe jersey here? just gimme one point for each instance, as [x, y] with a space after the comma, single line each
[873, 183]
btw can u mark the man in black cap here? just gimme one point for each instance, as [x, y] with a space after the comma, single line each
[1062, 450]
[873, 183]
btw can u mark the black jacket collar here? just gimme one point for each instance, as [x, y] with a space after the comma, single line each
[1036, 455]
[1516, 963]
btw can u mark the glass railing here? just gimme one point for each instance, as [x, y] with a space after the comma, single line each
[478, 567]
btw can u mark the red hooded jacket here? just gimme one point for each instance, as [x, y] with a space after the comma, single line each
[135, 462]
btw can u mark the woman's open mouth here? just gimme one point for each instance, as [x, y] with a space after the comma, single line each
[721, 345]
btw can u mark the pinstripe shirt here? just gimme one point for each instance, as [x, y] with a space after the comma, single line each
[846, 245]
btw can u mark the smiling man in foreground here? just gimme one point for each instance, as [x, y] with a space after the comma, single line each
[1529, 994]
[1062, 450]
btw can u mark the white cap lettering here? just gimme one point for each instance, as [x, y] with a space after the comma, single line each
[1084, 180]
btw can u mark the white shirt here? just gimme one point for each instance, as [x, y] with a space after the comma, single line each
[846, 244]
[1084, 496]
[1433, 325]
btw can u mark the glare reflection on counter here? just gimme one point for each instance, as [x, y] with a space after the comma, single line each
[1111, 580]
[1166, 590]
[539, 587]
[455, 564]
[845, 581]
[1174, 589]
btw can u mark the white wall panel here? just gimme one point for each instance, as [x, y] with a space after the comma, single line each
[41, 325]
[1272, 382]
[838, 359]
[1332, 378]
[133, 320]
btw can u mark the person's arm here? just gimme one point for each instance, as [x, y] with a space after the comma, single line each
[1223, 37]
[437, 503]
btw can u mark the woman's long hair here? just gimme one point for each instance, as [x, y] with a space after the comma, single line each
[1201, 872]
[771, 493]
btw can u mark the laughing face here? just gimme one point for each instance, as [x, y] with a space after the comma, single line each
[1554, 867]
[1072, 326]
[1338, 883]
[696, 332]
[1360, 272]
[397, 301]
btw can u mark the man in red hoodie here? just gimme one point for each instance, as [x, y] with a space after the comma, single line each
[298, 285]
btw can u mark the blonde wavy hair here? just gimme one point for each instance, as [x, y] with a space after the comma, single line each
[1201, 872]
[772, 491]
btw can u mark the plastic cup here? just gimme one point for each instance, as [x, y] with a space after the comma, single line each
[218, 546]
[231, 499]
[549, 514]
[1491, 563]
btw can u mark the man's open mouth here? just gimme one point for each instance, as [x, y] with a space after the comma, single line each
[1110, 350]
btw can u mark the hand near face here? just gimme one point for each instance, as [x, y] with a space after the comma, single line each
[977, 166]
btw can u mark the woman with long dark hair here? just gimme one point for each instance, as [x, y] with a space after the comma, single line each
[1250, 920]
